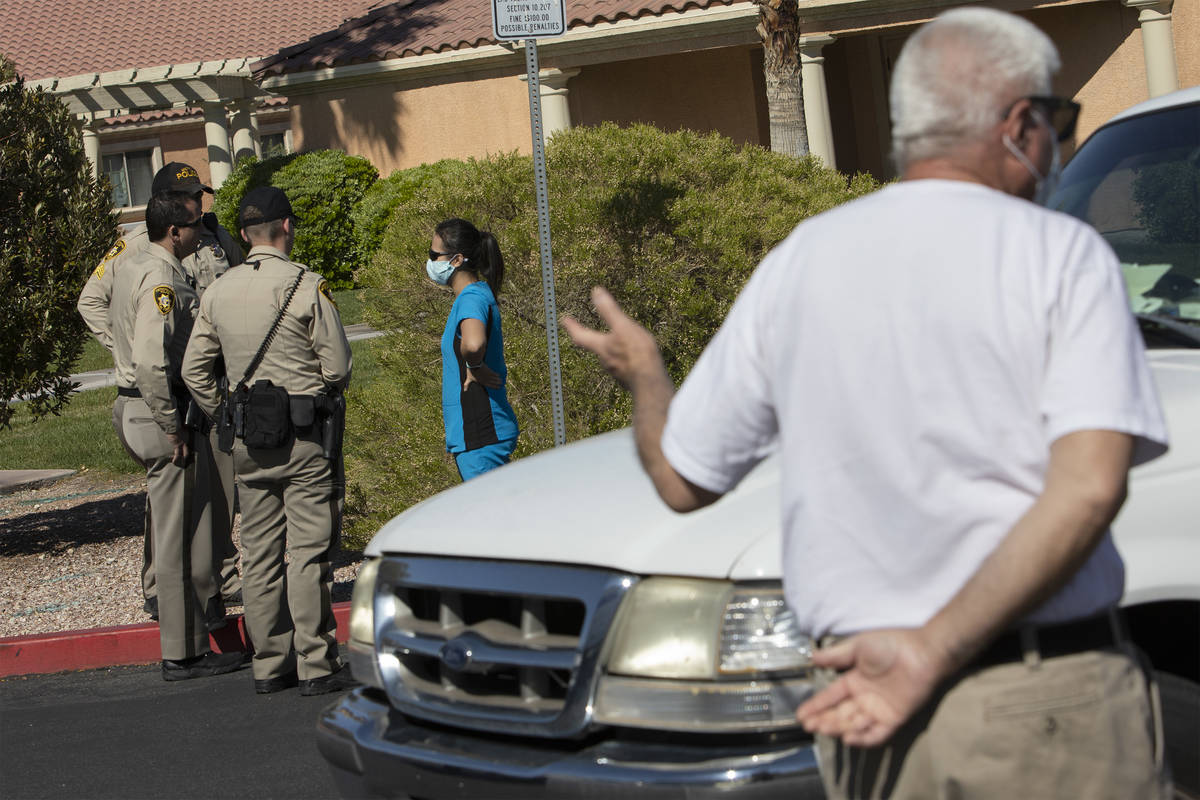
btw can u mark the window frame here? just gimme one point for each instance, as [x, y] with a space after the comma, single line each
[129, 146]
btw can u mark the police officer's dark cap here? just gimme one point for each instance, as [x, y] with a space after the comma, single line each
[178, 177]
[264, 204]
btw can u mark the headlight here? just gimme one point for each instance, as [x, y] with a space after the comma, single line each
[760, 634]
[361, 645]
[685, 628]
[692, 654]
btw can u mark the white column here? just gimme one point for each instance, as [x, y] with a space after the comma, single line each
[91, 146]
[216, 135]
[816, 98]
[245, 133]
[556, 110]
[1158, 44]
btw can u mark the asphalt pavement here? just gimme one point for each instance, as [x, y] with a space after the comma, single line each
[125, 733]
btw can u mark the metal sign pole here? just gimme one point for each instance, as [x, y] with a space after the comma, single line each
[543, 208]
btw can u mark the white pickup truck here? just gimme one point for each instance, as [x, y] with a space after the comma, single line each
[582, 641]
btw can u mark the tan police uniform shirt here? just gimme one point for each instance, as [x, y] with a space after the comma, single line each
[151, 318]
[309, 352]
[216, 254]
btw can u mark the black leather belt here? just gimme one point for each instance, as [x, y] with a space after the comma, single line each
[1094, 633]
[128, 391]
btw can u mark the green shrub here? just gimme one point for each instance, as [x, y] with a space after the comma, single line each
[379, 203]
[56, 221]
[324, 187]
[672, 223]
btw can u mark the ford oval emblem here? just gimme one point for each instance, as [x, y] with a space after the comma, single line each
[455, 655]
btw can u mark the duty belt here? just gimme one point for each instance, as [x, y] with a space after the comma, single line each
[177, 389]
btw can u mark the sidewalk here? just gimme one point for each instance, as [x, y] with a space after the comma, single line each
[106, 377]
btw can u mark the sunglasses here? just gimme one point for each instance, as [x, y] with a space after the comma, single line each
[434, 255]
[193, 224]
[1061, 113]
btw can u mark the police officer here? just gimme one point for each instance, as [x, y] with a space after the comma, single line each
[217, 251]
[153, 305]
[278, 329]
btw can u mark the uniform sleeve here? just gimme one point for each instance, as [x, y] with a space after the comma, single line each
[200, 358]
[233, 250]
[1096, 375]
[153, 329]
[722, 421]
[328, 336]
[94, 301]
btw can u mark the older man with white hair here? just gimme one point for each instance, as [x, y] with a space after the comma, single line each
[953, 450]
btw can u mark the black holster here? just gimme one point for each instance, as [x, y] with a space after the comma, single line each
[331, 413]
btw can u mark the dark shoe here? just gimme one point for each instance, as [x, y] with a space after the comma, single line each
[151, 607]
[202, 666]
[233, 599]
[278, 684]
[334, 682]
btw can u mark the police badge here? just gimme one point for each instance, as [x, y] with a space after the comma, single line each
[164, 298]
[323, 288]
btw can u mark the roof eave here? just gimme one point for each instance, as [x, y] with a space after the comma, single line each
[109, 94]
[694, 29]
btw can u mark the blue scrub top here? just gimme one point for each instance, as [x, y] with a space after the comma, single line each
[479, 416]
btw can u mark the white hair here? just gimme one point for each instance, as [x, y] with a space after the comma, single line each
[957, 74]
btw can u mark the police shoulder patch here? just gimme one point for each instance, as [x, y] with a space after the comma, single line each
[115, 250]
[323, 288]
[164, 298]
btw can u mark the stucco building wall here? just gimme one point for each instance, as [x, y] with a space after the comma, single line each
[708, 90]
[397, 125]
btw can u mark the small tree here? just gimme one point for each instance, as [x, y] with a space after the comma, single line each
[56, 222]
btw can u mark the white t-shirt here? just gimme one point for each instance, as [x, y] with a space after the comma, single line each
[913, 354]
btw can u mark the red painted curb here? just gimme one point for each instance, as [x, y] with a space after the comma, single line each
[119, 645]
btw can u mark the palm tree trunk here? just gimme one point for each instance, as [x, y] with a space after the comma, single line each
[779, 29]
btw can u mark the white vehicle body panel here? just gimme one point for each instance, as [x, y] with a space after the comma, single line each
[589, 503]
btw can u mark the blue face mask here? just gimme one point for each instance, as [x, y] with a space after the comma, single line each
[439, 271]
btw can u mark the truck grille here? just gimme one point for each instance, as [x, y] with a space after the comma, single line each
[495, 646]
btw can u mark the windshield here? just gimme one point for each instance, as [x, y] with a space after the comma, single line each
[1138, 183]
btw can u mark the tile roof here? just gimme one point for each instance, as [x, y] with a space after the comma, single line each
[72, 37]
[413, 27]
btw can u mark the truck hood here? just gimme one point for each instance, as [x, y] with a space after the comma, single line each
[566, 505]
[541, 508]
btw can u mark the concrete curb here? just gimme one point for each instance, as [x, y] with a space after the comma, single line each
[18, 480]
[118, 646]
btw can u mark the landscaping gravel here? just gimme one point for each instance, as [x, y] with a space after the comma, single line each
[71, 556]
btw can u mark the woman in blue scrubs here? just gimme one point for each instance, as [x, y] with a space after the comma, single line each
[481, 429]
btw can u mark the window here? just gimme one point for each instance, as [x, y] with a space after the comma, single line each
[273, 144]
[130, 174]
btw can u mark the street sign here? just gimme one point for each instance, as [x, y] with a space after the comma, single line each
[532, 20]
[528, 19]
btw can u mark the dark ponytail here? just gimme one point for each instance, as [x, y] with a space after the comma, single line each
[481, 250]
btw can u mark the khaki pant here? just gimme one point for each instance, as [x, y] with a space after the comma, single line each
[216, 518]
[1077, 726]
[288, 502]
[183, 558]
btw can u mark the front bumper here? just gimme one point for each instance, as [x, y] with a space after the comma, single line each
[373, 751]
